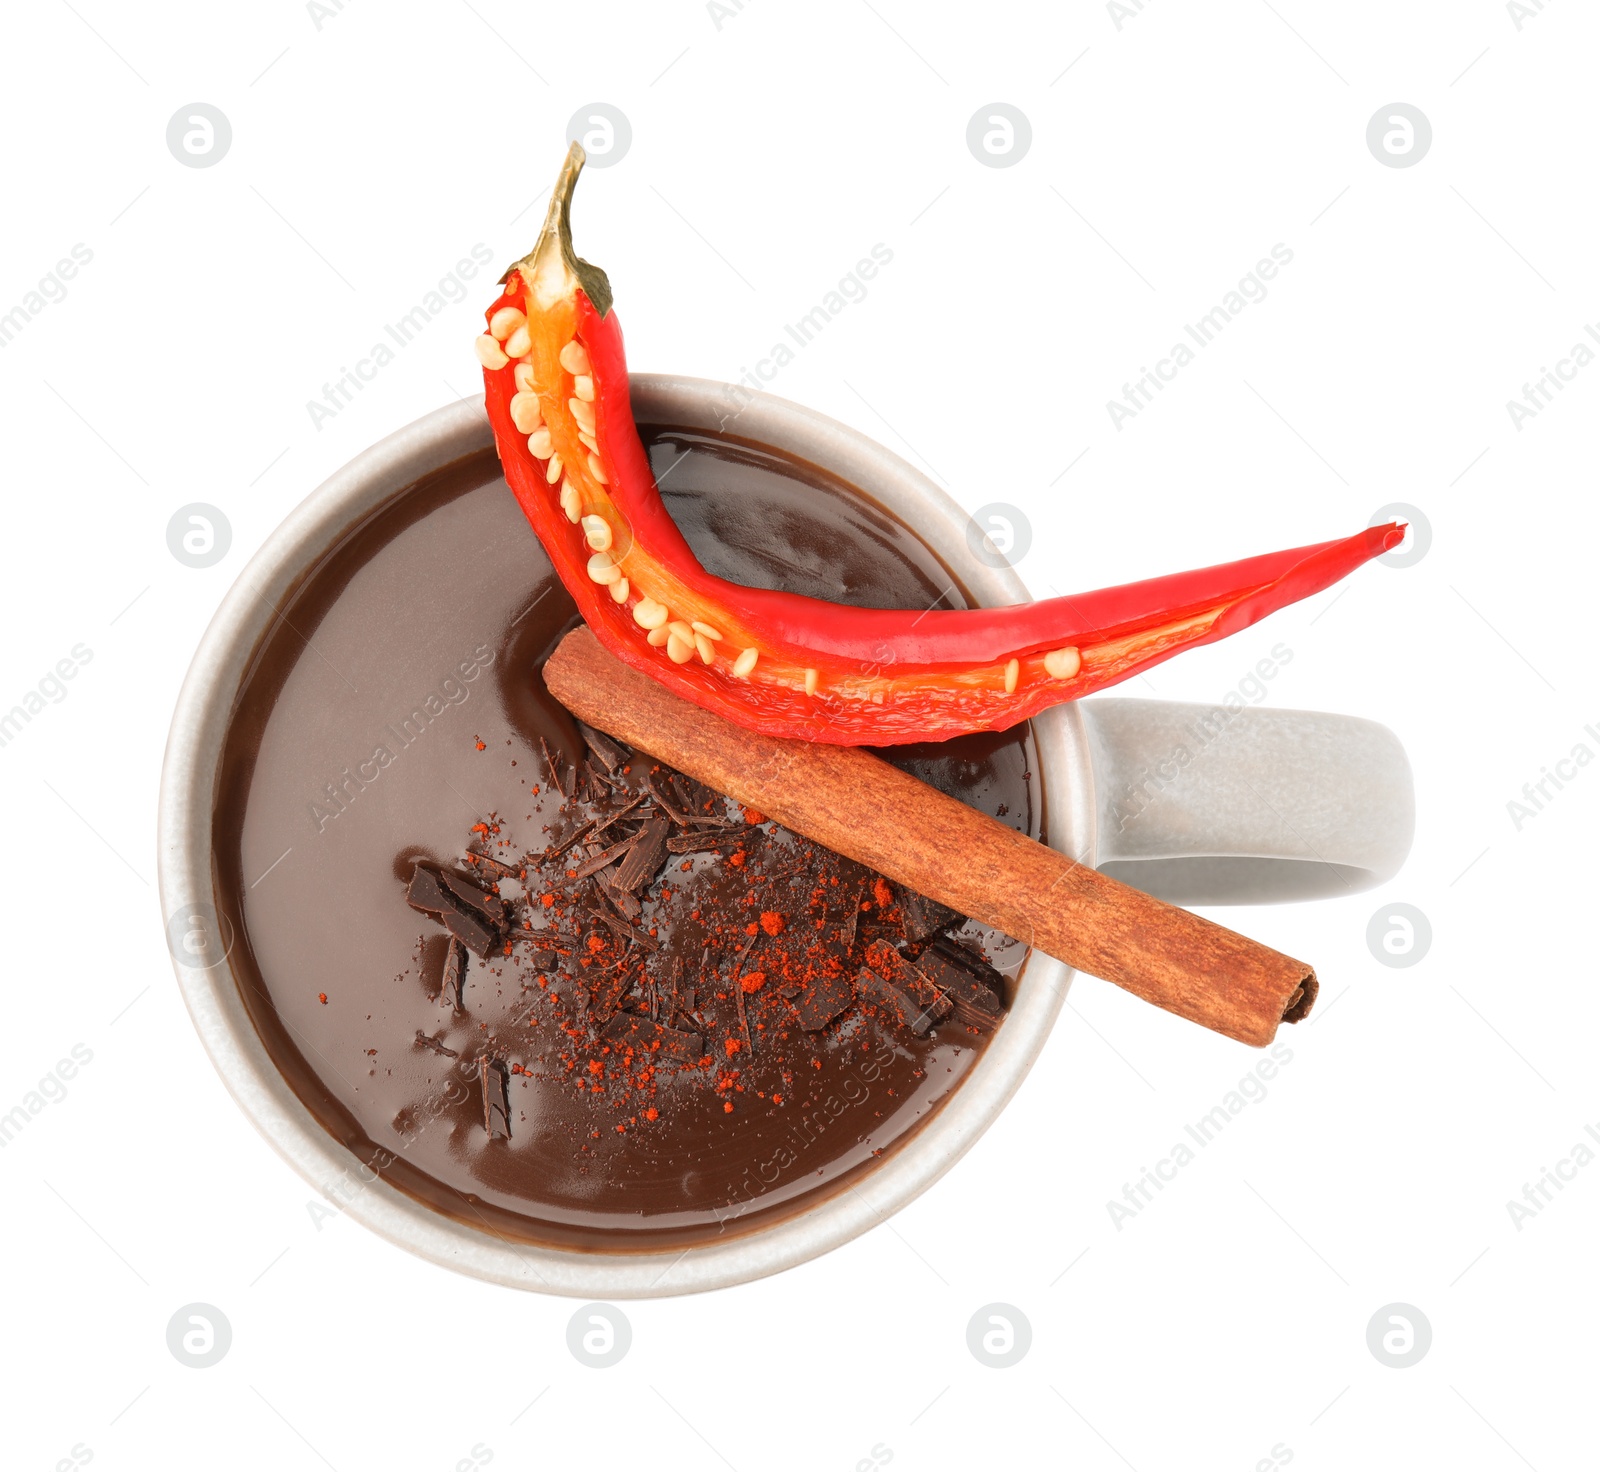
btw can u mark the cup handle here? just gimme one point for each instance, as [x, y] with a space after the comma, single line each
[1207, 805]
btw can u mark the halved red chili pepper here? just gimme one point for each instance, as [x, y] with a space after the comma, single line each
[556, 384]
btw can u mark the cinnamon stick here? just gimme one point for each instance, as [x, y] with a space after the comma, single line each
[854, 803]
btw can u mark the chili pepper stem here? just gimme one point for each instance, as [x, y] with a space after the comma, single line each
[552, 268]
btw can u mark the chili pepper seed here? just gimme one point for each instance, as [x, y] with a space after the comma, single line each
[525, 411]
[505, 322]
[1062, 664]
[597, 532]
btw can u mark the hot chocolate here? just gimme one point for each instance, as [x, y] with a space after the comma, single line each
[620, 1059]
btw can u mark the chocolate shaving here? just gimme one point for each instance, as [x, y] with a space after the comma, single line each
[424, 1041]
[622, 929]
[694, 843]
[427, 894]
[594, 828]
[450, 985]
[695, 797]
[677, 991]
[610, 753]
[842, 912]
[505, 871]
[627, 903]
[671, 809]
[604, 858]
[873, 988]
[496, 1103]
[554, 765]
[601, 781]
[644, 858]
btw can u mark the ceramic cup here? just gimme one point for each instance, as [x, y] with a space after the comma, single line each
[1233, 803]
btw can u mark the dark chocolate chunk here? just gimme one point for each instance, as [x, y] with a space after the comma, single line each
[643, 859]
[873, 988]
[958, 953]
[490, 908]
[659, 1044]
[819, 1003]
[917, 1000]
[462, 908]
[455, 968]
[424, 1041]
[611, 754]
[425, 892]
[976, 1003]
[496, 1103]
[922, 918]
[542, 959]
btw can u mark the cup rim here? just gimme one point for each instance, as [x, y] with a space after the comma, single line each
[189, 781]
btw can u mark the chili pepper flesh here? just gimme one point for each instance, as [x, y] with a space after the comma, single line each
[556, 388]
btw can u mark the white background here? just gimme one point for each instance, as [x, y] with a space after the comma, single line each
[769, 153]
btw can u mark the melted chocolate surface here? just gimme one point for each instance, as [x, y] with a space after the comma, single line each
[395, 704]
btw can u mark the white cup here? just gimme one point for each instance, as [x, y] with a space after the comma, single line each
[1268, 805]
